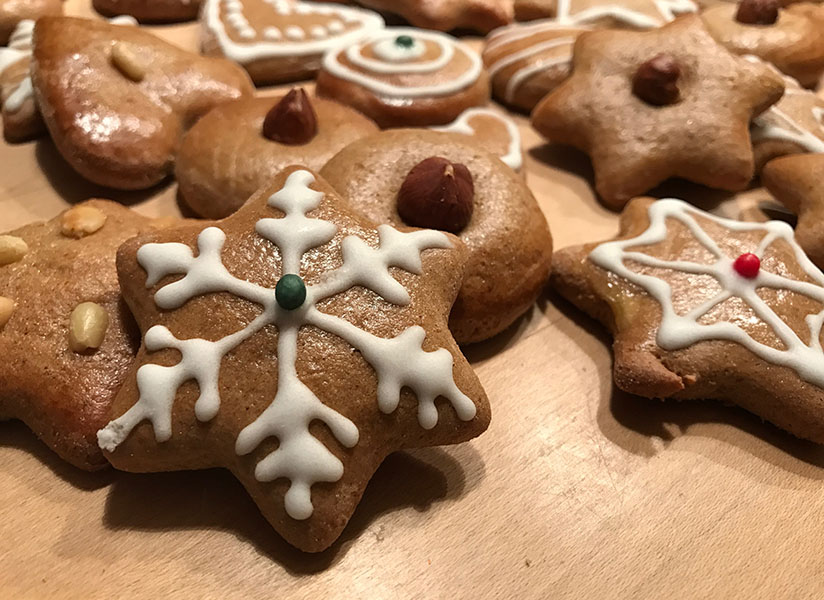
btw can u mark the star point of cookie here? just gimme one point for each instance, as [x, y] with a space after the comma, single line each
[65, 336]
[798, 183]
[703, 307]
[296, 344]
[618, 107]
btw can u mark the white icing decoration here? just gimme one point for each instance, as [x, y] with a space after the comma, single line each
[446, 44]
[272, 33]
[680, 331]
[18, 97]
[514, 33]
[398, 362]
[389, 51]
[124, 20]
[293, 41]
[514, 156]
[790, 130]
[666, 9]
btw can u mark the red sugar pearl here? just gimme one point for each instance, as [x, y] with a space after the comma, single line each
[747, 265]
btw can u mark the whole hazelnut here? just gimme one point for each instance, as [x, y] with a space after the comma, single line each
[437, 194]
[757, 12]
[656, 81]
[292, 120]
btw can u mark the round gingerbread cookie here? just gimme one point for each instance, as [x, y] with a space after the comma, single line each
[150, 11]
[239, 147]
[526, 61]
[443, 181]
[790, 38]
[278, 41]
[406, 77]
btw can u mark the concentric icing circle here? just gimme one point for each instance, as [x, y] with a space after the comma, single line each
[394, 58]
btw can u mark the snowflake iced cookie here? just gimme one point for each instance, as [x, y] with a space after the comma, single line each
[296, 345]
[444, 181]
[798, 183]
[617, 14]
[281, 40]
[406, 77]
[446, 15]
[66, 337]
[117, 99]
[240, 146]
[650, 105]
[150, 11]
[707, 308]
[21, 119]
[491, 130]
[790, 38]
[795, 124]
[14, 11]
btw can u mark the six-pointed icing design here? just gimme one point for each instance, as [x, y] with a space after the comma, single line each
[310, 302]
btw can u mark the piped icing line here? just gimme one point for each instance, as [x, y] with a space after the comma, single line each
[792, 131]
[666, 8]
[399, 362]
[514, 155]
[279, 43]
[447, 45]
[527, 71]
[681, 331]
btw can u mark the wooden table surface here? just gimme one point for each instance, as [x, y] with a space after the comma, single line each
[577, 490]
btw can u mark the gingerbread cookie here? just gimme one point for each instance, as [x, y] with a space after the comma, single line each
[318, 345]
[444, 181]
[150, 11]
[281, 40]
[493, 131]
[406, 77]
[14, 11]
[790, 38]
[793, 125]
[21, 119]
[117, 99]
[65, 336]
[798, 183]
[444, 15]
[240, 146]
[615, 14]
[526, 61]
[703, 307]
[647, 106]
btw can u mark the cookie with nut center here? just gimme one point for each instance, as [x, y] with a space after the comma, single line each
[66, 337]
[418, 174]
[238, 147]
[647, 106]
[790, 38]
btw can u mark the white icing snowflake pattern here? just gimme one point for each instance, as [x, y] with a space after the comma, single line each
[398, 362]
[679, 331]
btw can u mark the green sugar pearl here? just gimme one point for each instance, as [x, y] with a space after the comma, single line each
[290, 292]
[404, 41]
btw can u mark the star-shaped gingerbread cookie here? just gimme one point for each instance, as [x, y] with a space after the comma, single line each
[703, 307]
[445, 15]
[66, 337]
[647, 106]
[117, 99]
[296, 344]
[798, 183]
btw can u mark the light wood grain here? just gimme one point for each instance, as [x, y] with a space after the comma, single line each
[576, 490]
